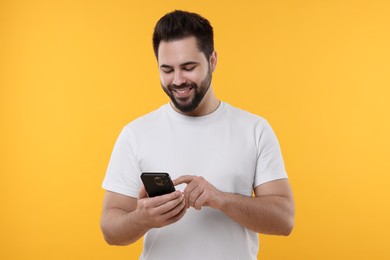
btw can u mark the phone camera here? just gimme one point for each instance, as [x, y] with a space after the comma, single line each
[161, 181]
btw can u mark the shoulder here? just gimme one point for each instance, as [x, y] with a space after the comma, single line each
[148, 120]
[250, 123]
[241, 116]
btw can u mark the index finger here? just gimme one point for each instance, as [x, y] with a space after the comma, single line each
[183, 179]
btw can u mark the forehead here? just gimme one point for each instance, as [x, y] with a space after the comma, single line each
[179, 51]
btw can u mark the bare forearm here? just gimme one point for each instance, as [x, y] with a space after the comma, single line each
[122, 228]
[271, 214]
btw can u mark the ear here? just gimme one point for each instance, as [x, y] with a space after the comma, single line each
[213, 61]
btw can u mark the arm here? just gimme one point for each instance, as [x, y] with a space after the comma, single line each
[271, 211]
[125, 219]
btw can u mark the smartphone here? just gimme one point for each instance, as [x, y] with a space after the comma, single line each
[157, 183]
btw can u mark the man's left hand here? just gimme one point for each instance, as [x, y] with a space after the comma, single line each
[199, 192]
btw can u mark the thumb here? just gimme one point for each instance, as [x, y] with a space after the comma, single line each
[142, 193]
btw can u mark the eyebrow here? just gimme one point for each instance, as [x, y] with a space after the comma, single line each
[181, 65]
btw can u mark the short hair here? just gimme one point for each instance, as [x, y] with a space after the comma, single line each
[178, 25]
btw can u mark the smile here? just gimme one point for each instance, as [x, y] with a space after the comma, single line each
[183, 90]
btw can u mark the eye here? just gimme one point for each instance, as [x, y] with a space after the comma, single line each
[189, 68]
[167, 70]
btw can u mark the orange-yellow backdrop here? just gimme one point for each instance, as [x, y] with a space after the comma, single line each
[73, 73]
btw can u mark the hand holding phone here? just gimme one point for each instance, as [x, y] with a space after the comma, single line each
[157, 183]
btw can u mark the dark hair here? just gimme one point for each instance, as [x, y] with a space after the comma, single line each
[181, 24]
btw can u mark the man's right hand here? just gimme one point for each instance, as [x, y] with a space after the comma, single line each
[160, 211]
[126, 219]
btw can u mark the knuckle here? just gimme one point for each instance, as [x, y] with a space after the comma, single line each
[145, 204]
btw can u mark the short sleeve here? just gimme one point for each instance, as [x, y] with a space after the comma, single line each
[270, 164]
[123, 173]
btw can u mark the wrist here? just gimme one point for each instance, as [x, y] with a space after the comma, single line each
[141, 222]
[222, 201]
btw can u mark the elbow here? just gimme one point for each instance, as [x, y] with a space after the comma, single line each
[112, 241]
[288, 227]
[110, 238]
[109, 241]
[288, 223]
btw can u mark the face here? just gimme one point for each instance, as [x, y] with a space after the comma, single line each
[185, 73]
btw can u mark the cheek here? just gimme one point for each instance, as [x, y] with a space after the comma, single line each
[195, 77]
[165, 80]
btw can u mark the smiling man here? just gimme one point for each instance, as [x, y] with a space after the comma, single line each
[186, 74]
[226, 163]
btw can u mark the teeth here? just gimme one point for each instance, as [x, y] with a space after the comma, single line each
[182, 91]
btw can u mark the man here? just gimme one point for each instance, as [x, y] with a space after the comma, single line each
[226, 163]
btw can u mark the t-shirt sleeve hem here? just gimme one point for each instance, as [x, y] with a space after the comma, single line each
[274, 177]
[120, 190]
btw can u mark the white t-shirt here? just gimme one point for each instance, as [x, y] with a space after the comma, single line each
[232, 149]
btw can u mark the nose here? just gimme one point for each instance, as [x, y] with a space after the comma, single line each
[178, 78]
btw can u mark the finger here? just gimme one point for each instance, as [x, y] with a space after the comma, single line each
[183, 179]
[175, 210]
[160, 200]
[170, 205]
[194, 195]
[188, 191]
[200, 201]
[177, 216]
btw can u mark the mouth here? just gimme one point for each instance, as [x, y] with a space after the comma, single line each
[182, 92]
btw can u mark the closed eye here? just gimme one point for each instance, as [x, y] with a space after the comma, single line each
[166, 70]
[189, 68]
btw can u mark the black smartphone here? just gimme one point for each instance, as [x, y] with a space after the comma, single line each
[157, 183]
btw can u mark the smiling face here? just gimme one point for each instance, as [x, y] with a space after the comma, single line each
[185, 75]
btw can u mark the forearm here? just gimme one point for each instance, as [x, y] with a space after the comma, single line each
[121, 227]
[271, 214]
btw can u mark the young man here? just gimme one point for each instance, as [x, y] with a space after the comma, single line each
[218, 156]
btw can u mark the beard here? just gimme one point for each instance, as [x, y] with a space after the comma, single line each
[189, 104]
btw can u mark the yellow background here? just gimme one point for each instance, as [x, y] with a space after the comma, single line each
[73, 73]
